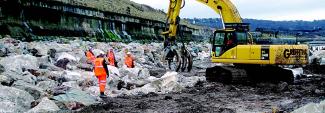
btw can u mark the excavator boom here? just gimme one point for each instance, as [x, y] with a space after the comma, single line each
[227, 11]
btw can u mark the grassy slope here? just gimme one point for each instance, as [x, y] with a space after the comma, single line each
[121, 6]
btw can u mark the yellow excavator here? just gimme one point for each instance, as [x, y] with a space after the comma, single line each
[233, 45]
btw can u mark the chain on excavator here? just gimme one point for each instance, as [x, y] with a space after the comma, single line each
[177, 57]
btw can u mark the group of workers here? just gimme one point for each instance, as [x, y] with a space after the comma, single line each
[100, 67]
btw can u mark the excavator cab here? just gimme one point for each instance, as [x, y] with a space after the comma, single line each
[225, 39]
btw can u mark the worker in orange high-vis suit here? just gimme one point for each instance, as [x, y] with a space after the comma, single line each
[90, 56]
[101, 72]
[129, 60]
[111, 58]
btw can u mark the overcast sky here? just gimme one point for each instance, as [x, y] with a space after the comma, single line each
[256, 9]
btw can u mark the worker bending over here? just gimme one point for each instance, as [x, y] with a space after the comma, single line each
[129, 60]
[101, 72]
[111, 58]
[90, 56]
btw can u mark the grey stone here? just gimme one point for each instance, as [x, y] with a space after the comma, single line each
[190, 81]
[62, 63]
[51, 53]
[75, 95]
[14, 100]
[283, 86]
[36, 92]
[60, 90]
[46, 85]
[311, 108]
[71, 75]
[71, 84]
[2, 69]
[165, 84]
[45, 105]
[3, 50]
[19, 63]
[86, 67]
[29, 78]
[4, 80]
[68, 56]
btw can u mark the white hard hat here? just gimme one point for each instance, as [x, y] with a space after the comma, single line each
[128, 53]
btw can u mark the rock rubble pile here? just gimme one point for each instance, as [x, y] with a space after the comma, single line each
[52, 76]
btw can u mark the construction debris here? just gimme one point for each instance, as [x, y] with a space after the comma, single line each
[44, 80]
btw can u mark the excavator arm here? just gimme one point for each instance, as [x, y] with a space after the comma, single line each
[224, 8]
[182, 57]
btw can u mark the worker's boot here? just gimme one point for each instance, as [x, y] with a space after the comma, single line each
[102, 95]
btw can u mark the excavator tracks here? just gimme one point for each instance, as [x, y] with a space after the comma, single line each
[226, 74]
[248, 74]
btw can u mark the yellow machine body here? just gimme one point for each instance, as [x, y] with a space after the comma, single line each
[263, 54]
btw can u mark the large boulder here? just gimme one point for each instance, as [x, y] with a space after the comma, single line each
[82, 77]
[13, 100]
[134, 72]
[190, 81]
[87, 79]
[58, 90]
[3, 50]
[39, 48]
[2, 69]
[85, 66]
[29, 78]
[19, 63]
[62, 63]
[71, 75]
[11, 76]
[76, 95]
[97, 52]
[71, 84]
[203, 55]
[36, 92]
[12, 45]
[45, 105]
[135, 76]
[46, 85]
[165, 84]
[93, 90]
[311, 108]
[4, 80]
[66, 60]
[68, 56]
[317, 57]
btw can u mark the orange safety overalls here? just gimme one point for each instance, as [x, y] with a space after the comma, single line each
[129, 61]
[90, 57]
[111, 58]
[100, 73]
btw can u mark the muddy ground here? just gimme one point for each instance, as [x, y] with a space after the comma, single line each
[223, 98]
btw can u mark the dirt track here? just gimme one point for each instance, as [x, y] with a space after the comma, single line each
[217, 97]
